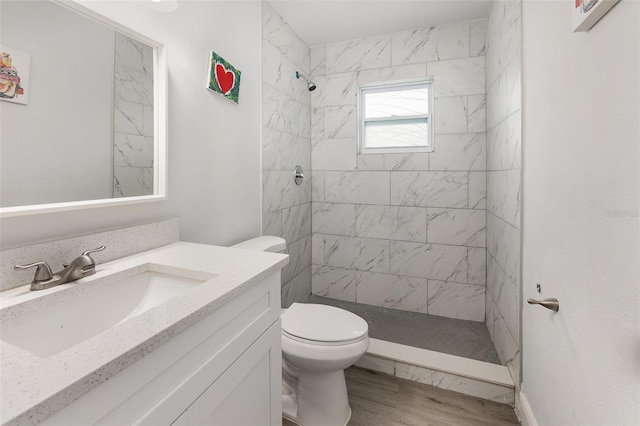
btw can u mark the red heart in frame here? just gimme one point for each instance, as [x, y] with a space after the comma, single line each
[226, 79]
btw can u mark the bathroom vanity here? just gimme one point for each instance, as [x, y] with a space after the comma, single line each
[182, 334]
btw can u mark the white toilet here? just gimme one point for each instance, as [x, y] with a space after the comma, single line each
[318, 343]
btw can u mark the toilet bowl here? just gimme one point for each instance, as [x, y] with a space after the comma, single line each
[318, 343]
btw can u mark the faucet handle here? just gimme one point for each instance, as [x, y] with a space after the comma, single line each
[88, 252]
[43, 273]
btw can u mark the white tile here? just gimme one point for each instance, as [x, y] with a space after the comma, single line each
[297, 290]
[503, 195]
[357, 187]
[392, 74]
[374, 363]
[417, 161]
[476, 105]
[296, 222]
[299, 258]
[430, 189]
[272, 223]
[334, 89]
[296, 152]
[317, 124]
[476, 266]
[132, 150]
[477, 190]
[505, 295]
[431, 44]
[465, 151]
[148, 124]
[463, 227]
[279, 191]
[334, 154]
[454, 300]
[280, 35]
[504, 37]
[503, 243]
[504, 95]
[434, 261]
[363, 254]
[279, 73]
[317, 249]
[127, 181]
[272, 146]
[457, 77]
[129, 52]
[476, 388]
[318, 61]
[340, 122]
[147, 180]
[317, 186]
[504, 143]
[336, 219]
[392, 291]
[128, 117]
[477, 37]
[390, 222]
[506, 346]
[134, 86]
[362, 53]
[336, 283]
[450, 115]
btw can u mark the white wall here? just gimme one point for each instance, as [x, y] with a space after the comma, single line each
[580, 220]
[214, 145]
[58, 147]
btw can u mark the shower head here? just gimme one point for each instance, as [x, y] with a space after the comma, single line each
[311, 86]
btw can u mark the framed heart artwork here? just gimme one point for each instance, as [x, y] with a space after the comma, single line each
[223, 78]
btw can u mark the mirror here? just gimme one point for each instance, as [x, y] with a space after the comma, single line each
[82, 110]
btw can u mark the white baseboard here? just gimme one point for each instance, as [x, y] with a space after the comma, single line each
[524, 411]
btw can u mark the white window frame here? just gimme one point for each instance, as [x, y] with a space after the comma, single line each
[388, 87]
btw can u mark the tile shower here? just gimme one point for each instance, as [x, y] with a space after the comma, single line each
[416, 232]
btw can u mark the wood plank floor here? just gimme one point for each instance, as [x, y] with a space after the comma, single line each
[378, 399]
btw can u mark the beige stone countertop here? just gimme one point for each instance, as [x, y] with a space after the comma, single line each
[32, 387]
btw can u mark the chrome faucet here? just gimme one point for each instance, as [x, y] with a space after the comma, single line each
[81, 266]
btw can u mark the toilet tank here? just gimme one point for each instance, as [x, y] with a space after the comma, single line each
[265, 243]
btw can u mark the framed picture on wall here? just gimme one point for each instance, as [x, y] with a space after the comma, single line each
[587, 12]
[14, 75]
[223, 78]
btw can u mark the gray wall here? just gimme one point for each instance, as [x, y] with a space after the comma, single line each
[405, 231]
[286, 142]
[504, 135]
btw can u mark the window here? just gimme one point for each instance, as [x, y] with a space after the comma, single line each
[396, 118]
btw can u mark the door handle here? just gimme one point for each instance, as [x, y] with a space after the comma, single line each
[552, 304]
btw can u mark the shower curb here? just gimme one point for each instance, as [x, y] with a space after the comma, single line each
[463, 375]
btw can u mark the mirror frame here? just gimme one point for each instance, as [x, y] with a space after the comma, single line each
[160, 89]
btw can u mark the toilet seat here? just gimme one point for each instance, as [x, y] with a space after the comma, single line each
[322, 325]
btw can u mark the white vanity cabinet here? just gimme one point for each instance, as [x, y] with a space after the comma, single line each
[223, 370]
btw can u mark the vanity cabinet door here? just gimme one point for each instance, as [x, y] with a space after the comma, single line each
[248, 393]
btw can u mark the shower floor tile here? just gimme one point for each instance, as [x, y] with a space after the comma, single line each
[468, 339]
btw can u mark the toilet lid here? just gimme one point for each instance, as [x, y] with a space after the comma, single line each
[322, 323]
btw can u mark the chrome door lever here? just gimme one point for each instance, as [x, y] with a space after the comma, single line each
[552, 304]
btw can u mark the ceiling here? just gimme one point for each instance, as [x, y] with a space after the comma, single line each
[320, 22]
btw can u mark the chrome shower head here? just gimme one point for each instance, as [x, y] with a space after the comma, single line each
[311, 86]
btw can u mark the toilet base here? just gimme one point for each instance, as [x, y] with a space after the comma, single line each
[320, 400]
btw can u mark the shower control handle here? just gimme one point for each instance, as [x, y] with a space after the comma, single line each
[552, 304]
[298, 175]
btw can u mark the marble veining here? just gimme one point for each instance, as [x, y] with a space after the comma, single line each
[370, 52]
[336, 283]
[363, 254]
[461, 301]
[392, 291]
[331, 218]
[450, 115]
[357, 187]
[434, 261]
[463, 227]
[430, 189]
[334, 89]
[413, 161]
[465, 151]
[458, 76]
[391, 222]
[431, 44]
[334, 154]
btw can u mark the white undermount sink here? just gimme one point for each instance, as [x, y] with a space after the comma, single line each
[52, 329]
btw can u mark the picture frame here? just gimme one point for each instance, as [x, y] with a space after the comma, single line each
[587, 13]
[14, 75]
[223, 78]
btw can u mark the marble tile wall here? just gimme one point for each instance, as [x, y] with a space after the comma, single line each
[286, 142]
[132, 118]
[405, 231]
[503, 201]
